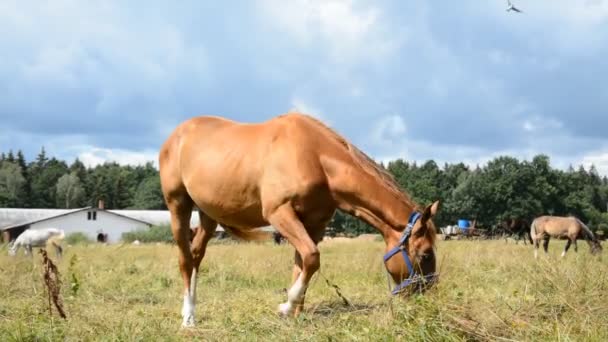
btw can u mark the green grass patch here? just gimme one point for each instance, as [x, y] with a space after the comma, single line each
[488, 290]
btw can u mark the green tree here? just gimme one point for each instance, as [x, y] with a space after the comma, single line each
[70, 193]
[11, 185]
[44, 176]
[149, 194]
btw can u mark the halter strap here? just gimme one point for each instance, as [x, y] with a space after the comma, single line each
[401, 247]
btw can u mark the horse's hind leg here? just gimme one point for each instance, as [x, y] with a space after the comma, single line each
[575, 246]
[285, 220]
[546, 244]
[198, 248]
[180, 207]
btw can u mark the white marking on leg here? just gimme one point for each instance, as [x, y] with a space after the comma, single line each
[535, 253]
[563, 254]
[293, 296]
[189, 303]
[187, 311]
[193, 285]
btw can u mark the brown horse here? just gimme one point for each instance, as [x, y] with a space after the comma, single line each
[293, 173]
[543, 227]
[517, 226]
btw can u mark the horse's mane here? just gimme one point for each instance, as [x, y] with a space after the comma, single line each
[368, 164]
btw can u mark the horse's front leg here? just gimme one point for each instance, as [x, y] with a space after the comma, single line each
[285, 220]
[566, 248]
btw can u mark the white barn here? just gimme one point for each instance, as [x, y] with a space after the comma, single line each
[98, 224]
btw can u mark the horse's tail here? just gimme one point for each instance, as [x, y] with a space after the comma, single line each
[530, 235]
[248, 235]
[533, 232]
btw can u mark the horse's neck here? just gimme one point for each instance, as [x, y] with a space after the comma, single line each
[370, 199]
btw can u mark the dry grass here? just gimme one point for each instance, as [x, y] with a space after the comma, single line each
[488, 290]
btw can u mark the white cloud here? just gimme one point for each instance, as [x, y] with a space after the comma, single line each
[350, 32]
[107, 53]
[597, 158]
[529, 126]
[387, 130]
[92, 156]
[421, 151]
[544, 125]
[581, 13]
[301, 106]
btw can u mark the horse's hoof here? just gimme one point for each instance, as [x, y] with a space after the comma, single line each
[285, 309]
[188, 322]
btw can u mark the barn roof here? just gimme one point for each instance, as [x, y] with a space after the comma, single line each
[10, 217]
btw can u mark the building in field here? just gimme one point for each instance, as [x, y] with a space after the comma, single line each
[96, 223]
[99, 224]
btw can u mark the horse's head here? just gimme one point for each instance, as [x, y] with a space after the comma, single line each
[12, 248]
[596, 246]
[410, 259]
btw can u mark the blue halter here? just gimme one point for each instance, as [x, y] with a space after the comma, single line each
[401, 246]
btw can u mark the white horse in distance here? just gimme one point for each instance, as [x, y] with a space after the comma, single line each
[37, 238]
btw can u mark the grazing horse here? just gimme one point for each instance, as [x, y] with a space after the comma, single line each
[543, 227]
[38, 238]
[291, 172]
[518, 227]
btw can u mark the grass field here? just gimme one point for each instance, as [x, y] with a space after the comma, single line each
[489, 290]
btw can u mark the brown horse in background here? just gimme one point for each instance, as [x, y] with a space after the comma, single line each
[518, 227]
[544, 227]
[291, 172]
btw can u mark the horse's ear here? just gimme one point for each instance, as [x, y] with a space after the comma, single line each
[430, 211]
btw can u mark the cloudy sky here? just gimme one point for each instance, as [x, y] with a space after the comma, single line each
[444, 80]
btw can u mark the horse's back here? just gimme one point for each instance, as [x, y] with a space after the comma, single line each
[226, 167]
[557, 225]
[246, 148]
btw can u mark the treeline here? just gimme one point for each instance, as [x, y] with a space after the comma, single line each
[51, 183]
[504, 188]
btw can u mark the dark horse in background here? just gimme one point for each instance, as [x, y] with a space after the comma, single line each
[520, 227]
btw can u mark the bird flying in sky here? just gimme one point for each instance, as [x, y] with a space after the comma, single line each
[511, 7]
